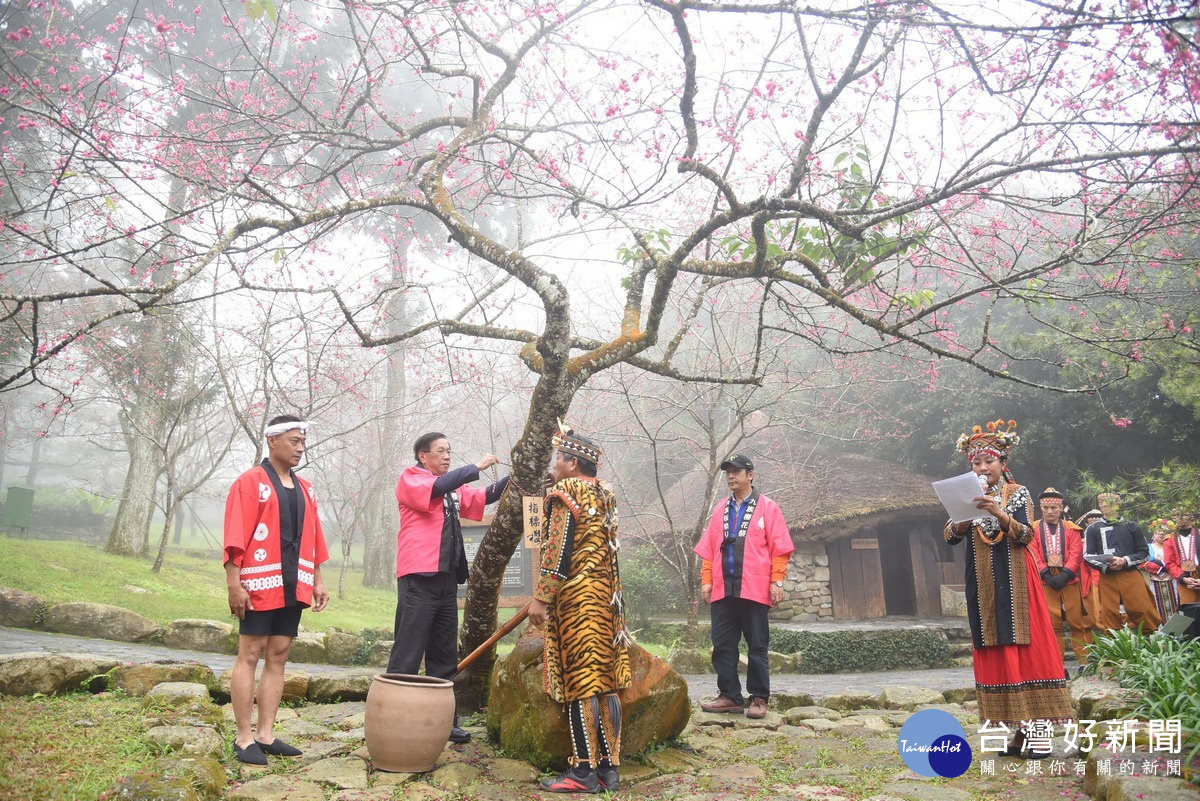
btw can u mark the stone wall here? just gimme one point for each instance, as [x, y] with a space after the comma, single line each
[806, 594]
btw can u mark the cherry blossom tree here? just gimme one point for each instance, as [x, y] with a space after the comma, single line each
[890, 175]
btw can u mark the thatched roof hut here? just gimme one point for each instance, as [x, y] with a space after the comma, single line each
[843, 495]
[867, 535]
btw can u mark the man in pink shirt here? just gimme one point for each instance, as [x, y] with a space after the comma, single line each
[430, 558]
[744, 552]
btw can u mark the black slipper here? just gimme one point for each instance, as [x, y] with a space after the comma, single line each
[251, 754]
[1017, 747]
[278, 747]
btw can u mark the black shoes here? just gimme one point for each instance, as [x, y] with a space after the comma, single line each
[251, 754]
[573, 781]
[610, 780]
[278, 747]
[256, 752]
[459, 735]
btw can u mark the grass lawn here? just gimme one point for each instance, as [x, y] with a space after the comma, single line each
[69, 746]
[188, 586]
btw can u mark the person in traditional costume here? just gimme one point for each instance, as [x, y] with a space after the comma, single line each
[1087, 576]
[273, 551]
[1114, 548]
[1057, 550]
[1179, 556]
[578, 601]
[431, 559]
[1019, 673]
[744, 555]
[1162, 583]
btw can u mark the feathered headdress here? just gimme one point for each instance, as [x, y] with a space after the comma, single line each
[997, 440]
[567, 441]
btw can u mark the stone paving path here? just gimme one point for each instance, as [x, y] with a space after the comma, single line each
[806, 753]
[699, 685]
[810, 754]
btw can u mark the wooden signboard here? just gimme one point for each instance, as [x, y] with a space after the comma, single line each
[531, 517]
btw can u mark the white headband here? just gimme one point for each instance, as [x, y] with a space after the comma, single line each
[279, 428]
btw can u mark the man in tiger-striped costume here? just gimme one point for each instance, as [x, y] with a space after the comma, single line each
[578, 598]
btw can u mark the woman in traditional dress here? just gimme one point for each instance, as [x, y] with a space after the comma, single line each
[1019, 673]
[1162, 584]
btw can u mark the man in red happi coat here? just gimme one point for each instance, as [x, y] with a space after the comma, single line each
[1179, 556]
[1057, 549]
[273, 552]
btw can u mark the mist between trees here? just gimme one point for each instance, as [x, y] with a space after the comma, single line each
[679, 225]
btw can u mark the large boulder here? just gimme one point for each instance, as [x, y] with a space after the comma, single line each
[139, 679]
[198, 741]
[210, 636]
[295, 684]
[35, 672]
[20, 609]
[99, 620]
[342, 647]
[176, 777]
[905, 697]
[1099, 698]
[693, 660]
[347, 684]
[308, 646]
[381, 652]
[530, 726]
[954, 600]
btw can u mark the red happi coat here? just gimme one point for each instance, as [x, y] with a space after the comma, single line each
[419, 541]
[1174, 559]
[1073, 558]
[252, 539]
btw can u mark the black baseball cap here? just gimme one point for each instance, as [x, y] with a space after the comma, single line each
[737, 462]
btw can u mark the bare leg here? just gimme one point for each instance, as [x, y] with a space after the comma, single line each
[241, 685]
[270, 686]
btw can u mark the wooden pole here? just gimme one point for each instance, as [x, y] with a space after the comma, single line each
[511, 624]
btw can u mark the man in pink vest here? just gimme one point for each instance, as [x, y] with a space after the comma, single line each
[273, 551]
[430, 558]
[744, 555]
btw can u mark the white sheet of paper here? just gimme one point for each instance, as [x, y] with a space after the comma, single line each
[957, 495]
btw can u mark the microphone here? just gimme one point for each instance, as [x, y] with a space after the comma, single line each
[983, 483]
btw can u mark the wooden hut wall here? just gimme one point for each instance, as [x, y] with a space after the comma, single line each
[856, 581]
[892, 570]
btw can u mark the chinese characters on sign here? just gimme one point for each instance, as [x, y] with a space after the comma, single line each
[1131, 755]
[1119, 736]
[531, 515]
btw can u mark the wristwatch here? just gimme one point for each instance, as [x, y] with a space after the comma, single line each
[779, 584]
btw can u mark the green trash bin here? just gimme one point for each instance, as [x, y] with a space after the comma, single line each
[18, 508]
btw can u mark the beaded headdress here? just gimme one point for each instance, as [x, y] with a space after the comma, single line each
[1051, 497]
[567, 441]
[996, 440]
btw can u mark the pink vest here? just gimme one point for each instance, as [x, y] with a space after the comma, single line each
[419, 540]
[766, 538]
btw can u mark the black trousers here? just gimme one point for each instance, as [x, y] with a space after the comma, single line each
[426, 626]
[733, 619]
